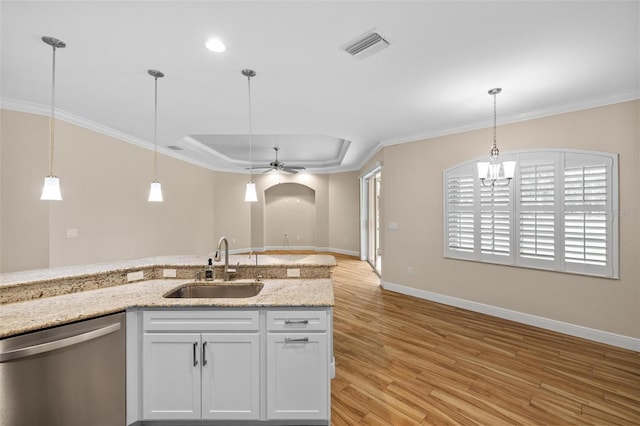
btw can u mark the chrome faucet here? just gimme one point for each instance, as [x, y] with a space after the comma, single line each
[227, 271]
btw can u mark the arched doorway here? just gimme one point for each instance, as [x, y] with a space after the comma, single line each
[289, 217]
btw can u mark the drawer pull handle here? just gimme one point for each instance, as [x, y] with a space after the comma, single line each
[296, 340]
[195, 348]
[304, 321]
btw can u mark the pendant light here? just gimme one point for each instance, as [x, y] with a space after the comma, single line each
[155, 192]
[51, 187]
[494, 172]
[250, 193]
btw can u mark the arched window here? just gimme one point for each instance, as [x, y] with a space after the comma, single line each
[558, 213]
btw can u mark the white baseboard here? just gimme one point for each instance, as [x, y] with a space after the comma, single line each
[600, 336]
[339, 251]
[314, 248]
[267, 248]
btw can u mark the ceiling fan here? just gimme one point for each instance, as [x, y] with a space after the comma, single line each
[279, 165]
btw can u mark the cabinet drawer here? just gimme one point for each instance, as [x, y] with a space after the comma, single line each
[296, 320]
[201, 321]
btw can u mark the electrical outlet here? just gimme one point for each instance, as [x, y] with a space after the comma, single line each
[72, 232]
[169, 273]
[409, 269]
[293, 272]
[135, 276]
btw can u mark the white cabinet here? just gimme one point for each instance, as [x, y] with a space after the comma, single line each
[231, 376]
[171, 376]
[247, 366]
[207, 375]
[298, 357]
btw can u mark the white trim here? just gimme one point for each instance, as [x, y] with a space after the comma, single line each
[339, 251]
[267, 248]
[575, 330]
[294, 248]
[364, 208]
[547, 112]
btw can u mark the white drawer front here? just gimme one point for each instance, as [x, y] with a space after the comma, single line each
[201, 321]
[296, 320]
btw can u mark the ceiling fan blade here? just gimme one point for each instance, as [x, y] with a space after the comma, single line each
[296, 167]
[253, 168]
[289, 169]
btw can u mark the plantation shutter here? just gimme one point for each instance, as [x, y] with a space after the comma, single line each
[460, 230]
[495, 223]
[588, 194]
[537, 209]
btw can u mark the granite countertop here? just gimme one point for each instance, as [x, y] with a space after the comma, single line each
[23, 317]
[42, 275]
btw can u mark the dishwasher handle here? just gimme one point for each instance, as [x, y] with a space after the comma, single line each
[57, 344]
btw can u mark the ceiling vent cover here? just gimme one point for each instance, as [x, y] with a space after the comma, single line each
[366, 45]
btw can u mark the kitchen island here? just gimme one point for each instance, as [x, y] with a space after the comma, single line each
[264, 359]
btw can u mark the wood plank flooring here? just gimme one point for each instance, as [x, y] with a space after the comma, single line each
[406, 361]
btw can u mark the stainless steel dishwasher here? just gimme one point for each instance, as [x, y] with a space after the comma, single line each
[65, 376]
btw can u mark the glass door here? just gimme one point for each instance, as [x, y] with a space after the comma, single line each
[374, 251]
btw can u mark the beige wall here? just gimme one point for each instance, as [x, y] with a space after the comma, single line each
[344, 202]
[231, 214]
[24, 143]
[290, 216]
[105, 185]
[412, 198]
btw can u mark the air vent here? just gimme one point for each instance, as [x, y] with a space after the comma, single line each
[175, 147]
[366, 45]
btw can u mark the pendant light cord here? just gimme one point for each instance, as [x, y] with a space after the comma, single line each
[494, 121]
[250, 132]
[155, 131]
[52, 123]
[494, 148]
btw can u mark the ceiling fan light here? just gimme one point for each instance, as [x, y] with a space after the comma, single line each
[250, 194]
[155, 192]
[51, 189]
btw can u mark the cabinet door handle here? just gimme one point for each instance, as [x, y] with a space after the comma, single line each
[204, 354]
[296, 340]
[195, 358]
[304, 321]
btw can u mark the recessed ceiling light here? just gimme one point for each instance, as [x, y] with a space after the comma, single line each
[216, 45]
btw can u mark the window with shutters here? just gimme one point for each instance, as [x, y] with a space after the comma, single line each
[460, 226]
[558, 213]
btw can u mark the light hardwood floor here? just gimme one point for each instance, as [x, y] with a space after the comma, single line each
[406, 361]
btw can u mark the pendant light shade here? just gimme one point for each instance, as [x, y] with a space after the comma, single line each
[495, 172]
[250, 194]
[155, 191]
[51, 187]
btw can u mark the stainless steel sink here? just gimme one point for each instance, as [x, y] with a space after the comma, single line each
[224, 290]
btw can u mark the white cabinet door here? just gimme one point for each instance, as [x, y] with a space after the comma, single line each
[231, 376]
[297, 376]
[171, 376]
